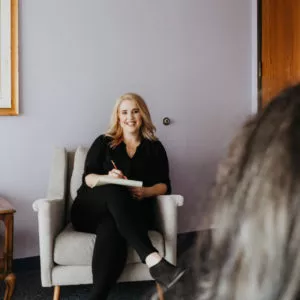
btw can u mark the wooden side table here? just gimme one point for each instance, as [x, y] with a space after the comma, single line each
[6, 251]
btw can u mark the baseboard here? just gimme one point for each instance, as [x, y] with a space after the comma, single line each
[26, 264]
[184, 242]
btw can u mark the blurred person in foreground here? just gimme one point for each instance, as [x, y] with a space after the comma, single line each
[255, 249]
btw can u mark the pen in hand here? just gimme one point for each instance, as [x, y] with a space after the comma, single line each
[115, 167]
[113, 163]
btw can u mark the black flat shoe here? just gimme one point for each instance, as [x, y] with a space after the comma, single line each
[166, 274]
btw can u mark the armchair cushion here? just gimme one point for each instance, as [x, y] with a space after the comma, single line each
[78, 169]
[68, 248]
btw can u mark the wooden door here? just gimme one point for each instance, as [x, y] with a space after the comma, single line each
[280, 46]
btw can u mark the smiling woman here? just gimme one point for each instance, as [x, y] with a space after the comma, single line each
[9, 81]
[122, 216]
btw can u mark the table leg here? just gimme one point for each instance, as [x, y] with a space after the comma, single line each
[10, 281]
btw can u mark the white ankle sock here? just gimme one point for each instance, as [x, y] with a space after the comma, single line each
[153, 259]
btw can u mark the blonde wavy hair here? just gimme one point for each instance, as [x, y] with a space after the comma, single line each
[255, 250]
[115, 131]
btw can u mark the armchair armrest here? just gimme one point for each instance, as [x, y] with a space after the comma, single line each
[50, 223]
[167, 223]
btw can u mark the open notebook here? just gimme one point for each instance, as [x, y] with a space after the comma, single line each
[106, 179]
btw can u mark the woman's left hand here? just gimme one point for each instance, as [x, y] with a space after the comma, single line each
[139, 192]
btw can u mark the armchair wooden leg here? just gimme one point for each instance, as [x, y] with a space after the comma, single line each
[160, 292]
[56, 295]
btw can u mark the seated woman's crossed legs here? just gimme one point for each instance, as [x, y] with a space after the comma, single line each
[132, 222]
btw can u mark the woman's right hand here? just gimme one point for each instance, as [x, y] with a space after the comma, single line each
[117, 174]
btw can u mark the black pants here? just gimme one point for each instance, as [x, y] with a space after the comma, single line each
[118, 220]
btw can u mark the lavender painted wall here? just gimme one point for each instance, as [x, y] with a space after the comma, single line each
[190, 59]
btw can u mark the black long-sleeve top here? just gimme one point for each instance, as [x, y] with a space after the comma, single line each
[149, 163]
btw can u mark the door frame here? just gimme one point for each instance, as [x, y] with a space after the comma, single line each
[255, 55]
[259, 54]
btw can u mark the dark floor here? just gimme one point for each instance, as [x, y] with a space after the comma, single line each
[28, 284]
[28, 287]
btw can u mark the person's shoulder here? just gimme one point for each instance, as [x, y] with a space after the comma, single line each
[103, 139]
[156, 145]
[106, 138]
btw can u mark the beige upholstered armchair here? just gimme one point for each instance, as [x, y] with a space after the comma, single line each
[65, 254]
